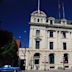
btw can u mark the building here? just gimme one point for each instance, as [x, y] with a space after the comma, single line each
[50, 43]
[18, 42]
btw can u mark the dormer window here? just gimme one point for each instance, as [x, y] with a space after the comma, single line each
[41, 20]
[63, 21]
[51, 22]
[37, 20]
[34, 19]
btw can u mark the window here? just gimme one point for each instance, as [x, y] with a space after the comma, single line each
[64, 46]
[37, 20]
[36, 58]
[47, 20]
[66, 66]
[64, 22]
[51, 45]
[36, 61]
[52, 67]
[34, 19]
[51, 58]
[65, 59]
[51, 33]
[37, 44]
[41, 20]
[51, 22]
[64, 34]
[37, 32]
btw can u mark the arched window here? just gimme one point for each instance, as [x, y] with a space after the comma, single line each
[36, 58]
[51, 58]
[51, 22]
[65, 58]
[37, 55]
[38, 20]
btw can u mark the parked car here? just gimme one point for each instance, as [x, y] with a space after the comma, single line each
[8, 68]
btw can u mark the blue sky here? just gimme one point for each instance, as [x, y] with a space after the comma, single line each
[15, 15]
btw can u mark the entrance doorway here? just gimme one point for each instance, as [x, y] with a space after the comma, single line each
[22, 64]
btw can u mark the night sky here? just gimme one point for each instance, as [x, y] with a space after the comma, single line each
[15, 15]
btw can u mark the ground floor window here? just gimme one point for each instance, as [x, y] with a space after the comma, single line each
[36, 61]
[51, 58]
[65, 58]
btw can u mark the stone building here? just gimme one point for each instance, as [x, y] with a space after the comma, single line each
[50, 43]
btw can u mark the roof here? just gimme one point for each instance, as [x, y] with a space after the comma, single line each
[36, 13]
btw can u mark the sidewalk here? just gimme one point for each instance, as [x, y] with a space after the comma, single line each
[67, 70]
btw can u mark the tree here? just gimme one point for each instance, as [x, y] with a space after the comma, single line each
[8, 49]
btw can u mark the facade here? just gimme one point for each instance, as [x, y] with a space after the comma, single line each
[50, 43]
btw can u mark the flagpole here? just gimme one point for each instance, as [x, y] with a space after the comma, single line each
[63, 10]
[38, 6]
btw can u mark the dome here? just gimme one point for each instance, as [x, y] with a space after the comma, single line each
[63, 20]
[35, 13]
[51, 18]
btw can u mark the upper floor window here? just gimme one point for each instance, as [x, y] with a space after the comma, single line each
[64, 22]
[37, 32]
[51, 45]
[34, 19]
[41, 20]
[64, 34]
[47, 20]
[37, 45]
[64, 46]
[51, 22]
[38, 20]
[51, 33]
